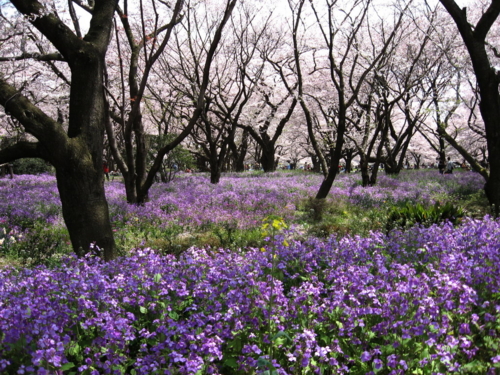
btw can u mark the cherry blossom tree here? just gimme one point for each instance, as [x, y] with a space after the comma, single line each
[347, 65]
[482, 54]
[76, 150]
[146, 49]
[236, 74]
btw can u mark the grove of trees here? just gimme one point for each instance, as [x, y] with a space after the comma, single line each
[239, 82]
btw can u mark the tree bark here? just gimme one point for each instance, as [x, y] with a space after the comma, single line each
[85, 211]
[76, 153]
[333, 170]
[475, 40]
[267, 159]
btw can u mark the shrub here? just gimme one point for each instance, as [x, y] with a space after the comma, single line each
[411, 214]
[41, 244]
[31, 166]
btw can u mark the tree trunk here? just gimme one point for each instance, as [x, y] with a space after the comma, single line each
[215, 174]
[239, 153]
[239, 163]
[474, 38]
[76, 153]
[85, 211]
[130, 192]
[363, 166]
[316, 166]
[373, 177]
[267, 159]
[325, 187]
[490, 111]
[492, 186]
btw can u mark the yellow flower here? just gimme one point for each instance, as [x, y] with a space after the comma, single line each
[279, 224]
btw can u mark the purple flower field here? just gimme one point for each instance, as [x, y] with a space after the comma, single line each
[427, 298]
[423, 301]
[191, 201]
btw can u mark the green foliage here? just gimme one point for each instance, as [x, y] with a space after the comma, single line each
[340, 217]
[32, 166]
[317, 210]
[476, 205]
[230, 236]
[41, 244]
[411, 214]
[174, 239]
[179, 155]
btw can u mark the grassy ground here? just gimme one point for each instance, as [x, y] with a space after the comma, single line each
[239, 204]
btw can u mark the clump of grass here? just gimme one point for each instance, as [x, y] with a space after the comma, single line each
[341, 217]
[476, 205]
[316, 210]
[41, 244]
[412, 214]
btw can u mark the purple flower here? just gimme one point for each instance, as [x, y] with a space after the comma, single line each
[378, 364]
[366, 356]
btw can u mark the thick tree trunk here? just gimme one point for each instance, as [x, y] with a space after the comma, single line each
[267, 159]
[391, 168]
[77, 153]
[215, 175]
[85, 211]
[490, 111]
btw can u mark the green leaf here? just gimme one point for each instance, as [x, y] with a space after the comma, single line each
[173, 315]
[74, 349]
[281, 334]
[262, 362]
[231, 362]
[67, 366]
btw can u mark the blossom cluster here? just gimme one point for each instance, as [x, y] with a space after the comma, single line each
[427, 299]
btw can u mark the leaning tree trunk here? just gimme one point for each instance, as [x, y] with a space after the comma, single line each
[474, 38]
[333, 170]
